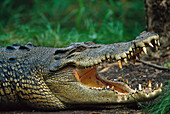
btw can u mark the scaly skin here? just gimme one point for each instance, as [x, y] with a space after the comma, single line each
[60, 78]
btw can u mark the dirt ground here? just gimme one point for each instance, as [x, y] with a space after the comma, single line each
[135, 73]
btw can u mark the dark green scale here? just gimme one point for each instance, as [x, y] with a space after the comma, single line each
[21, 77]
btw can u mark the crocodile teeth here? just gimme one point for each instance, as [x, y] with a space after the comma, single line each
[129, 56]
[120, 64]
[108, 56]
[156, 48]
[140, 87]
[125, 59]
[149, 85]
[112, 88]
[156, 86]
[130, 49]
[150, 44]
[158, 43]
[144, 50]
[126, 81]
[161, 85]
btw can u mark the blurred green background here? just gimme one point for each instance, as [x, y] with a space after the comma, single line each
[57, 23]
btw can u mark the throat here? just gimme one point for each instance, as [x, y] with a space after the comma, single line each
[89, 77]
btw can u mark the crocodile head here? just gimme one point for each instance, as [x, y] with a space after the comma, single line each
[77, 81]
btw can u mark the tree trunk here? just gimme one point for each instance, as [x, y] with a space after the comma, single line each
[158, 16]
[158, 20]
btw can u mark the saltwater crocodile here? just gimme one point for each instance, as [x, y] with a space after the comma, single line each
[63, 78]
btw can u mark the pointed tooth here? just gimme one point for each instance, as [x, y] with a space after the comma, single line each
[158, 43]
[126, 81]
[120, 64]
[156, 86]
[150, 44]
[130, 49]
[112, 88]
[125, 60]
[156, 48]
[150, 85]
[144, 50]
[123, 55]
[161, 85]
[140, 87]
[108, 56]
[129, 56]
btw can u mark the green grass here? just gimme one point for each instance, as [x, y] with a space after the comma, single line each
[57, 23]
[160, 105]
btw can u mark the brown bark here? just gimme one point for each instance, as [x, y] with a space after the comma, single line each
[158, 16]
[158, 20]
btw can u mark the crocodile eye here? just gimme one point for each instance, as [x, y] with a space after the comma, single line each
[30, 44]
[89, 43]
[12, 59]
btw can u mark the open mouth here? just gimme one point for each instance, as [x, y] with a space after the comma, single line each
[90, 77]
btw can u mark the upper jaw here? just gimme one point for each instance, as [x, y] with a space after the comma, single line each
[117, 51]
[97, 54]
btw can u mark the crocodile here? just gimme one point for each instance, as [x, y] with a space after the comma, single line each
[46, 78]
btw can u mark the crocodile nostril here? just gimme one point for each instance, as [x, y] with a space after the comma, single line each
[12, 59]
[30, 44]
